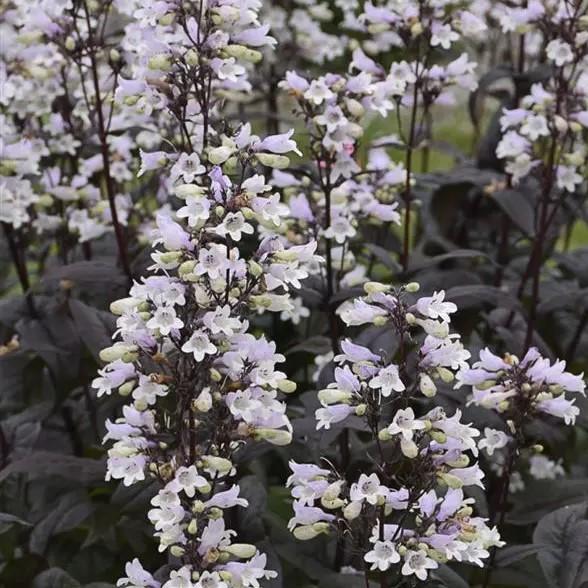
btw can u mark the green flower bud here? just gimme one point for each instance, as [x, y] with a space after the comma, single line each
[119, 307]
[287, 386]
[120, 350]
[375, 287]
[160, 62]
[185, 190]
[409, 448]
[451, 481]
[278, 437]
[334, 396]
[427, 386]
[242, 52]
[192, 58]
[219, 155]
[241, 550]
[438, 436]
[352, 511]
[186, 267]
[217, 464]
[126, 388]
[274, 161]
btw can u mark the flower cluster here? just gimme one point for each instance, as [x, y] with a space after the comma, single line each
[201, 384]
[531, 386]
[64, 173]
[414, 506]
[546, 133]
[337, 195]
[440, 354]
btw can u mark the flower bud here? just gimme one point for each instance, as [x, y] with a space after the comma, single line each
[486, 384]
[274, 161]
[437, 556]
[114, 55]
[248, 213]
[203, 402]
[160, 62]
[287, 386]
[412, 287]
[438, 436]
[241, 550]
[466, 511]
[333, 490]
[278, 437]
[119, 307]
[127, 388]
[445, 374]
[254, 268]
[307, 532]
[198, 507]
[141, 404]
[193, 527]
[380, 321]
[192, 58]
[354, 107]
[451, 481]
[383, 435]
[375, 29]
[463, 461]
[410, 318]
[503, 405]
[352, 511]
[416, 29]
[70, 44]
[177, 550]
[167, 19]
[375, 287]
[332, 503]
[215, 375]
[219, 155]
[334, 396]
[185, 190]
[242, 52]
[409, 448]
[120, 350]
[217, 464]
[170, 257]
[427, 386]
[360, 410]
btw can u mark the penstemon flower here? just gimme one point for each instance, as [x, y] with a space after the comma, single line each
[523, 388]
[411, 502]
[201, 384]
